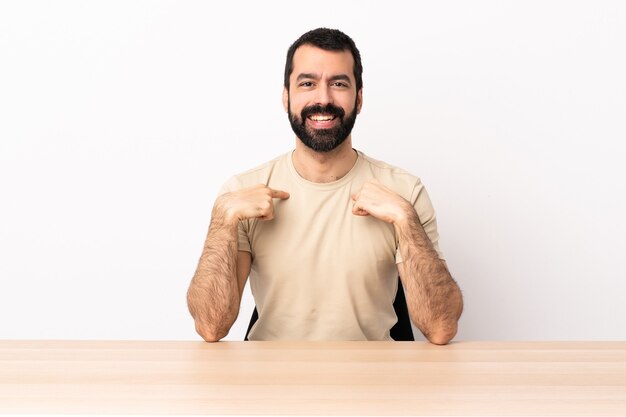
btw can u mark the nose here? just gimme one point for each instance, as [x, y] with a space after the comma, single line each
[323, 96]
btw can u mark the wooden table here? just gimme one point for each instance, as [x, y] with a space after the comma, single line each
[367, 378]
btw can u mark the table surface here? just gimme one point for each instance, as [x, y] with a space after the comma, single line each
[349, 378]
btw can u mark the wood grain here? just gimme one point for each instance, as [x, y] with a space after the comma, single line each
[349, 378]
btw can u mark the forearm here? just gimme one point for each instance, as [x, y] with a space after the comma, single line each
[433, 297]
[213, 296]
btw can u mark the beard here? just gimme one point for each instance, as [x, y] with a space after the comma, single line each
[322, 140]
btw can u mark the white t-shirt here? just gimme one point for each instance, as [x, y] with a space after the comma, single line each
[318, 271]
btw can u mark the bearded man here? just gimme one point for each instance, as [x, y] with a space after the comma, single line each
[324, 231]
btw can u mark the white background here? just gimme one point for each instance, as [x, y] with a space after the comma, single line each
[119, 121]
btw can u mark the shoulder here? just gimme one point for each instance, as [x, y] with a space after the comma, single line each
[257, 175]
[383, 168]
[407, 185]
[392, 177]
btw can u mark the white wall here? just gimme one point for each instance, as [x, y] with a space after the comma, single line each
[120, 120]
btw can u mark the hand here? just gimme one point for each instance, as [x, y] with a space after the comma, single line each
[253, 202]
[376, 200]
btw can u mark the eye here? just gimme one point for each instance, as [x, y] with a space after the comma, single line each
[340, 84]
[306, 84]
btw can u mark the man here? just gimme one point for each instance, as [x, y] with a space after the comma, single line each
[323, 231]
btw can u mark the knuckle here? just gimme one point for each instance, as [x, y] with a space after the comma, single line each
[264, 207]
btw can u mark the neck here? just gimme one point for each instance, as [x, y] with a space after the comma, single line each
[324, 167]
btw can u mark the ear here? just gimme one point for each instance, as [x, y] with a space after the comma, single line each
[286, 100]
[359, 101]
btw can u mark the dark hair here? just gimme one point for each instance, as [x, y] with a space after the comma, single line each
[329, 40]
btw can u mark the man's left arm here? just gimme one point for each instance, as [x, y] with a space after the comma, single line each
[434, 299]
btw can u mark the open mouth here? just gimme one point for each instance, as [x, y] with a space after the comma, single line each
[322, 118]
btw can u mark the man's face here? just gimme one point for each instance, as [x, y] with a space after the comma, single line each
[322, 101]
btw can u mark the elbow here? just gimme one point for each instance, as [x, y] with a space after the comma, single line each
[446, 328]
[208, 333]
[442, 335]
[440, 339]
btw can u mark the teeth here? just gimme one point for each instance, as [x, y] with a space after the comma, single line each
[321, 118]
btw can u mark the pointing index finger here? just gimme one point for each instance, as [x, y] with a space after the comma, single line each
[279, 194]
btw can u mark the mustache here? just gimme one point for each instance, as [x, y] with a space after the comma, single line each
[318, 108]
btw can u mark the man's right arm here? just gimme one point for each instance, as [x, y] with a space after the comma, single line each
[215, 291]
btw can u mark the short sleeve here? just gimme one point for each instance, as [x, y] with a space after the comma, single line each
[244, 226]
[426, 213]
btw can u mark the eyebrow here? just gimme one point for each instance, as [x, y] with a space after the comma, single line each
[310, 75]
